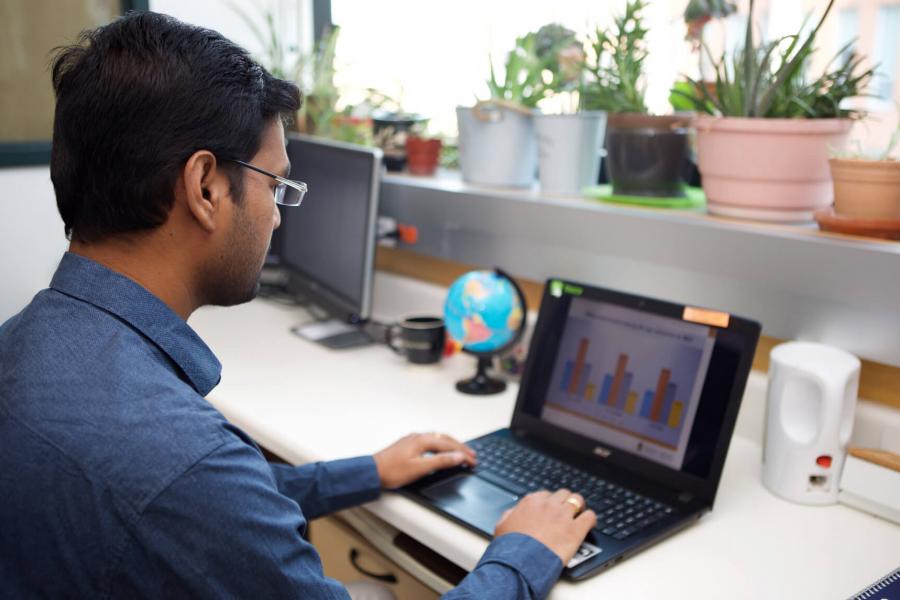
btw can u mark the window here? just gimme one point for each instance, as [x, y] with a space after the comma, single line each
[887, 47]
[434, 56]
[848, 28]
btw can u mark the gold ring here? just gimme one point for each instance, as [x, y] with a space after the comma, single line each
[578, 504]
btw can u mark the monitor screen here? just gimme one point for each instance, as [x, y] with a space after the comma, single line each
[328, 243]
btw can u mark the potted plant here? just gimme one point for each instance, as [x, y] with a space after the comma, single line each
[423, 151]
[319, 113]
[697, 15]
[645, 154]
[866, 193]
[497, 144]
[570, 141]
[763, 143]
[391, 125]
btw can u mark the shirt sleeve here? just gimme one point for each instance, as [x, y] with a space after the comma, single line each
[325, 487]
[515, 566]
[221, 530]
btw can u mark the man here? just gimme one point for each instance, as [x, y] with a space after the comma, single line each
[117, 478]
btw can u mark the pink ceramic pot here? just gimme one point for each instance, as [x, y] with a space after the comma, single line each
[768, 169]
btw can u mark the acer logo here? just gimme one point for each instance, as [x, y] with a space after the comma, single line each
[601, 452]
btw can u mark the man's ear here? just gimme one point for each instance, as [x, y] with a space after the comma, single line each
[207, 188]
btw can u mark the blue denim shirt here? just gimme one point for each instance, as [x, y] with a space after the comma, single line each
[119, 480]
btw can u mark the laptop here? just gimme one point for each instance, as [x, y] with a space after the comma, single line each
[629, 401]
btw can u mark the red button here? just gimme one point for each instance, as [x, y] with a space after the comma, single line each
[824, 461]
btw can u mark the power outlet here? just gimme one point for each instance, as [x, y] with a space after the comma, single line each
[819, 483]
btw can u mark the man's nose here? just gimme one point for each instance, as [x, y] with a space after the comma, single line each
[277, 217]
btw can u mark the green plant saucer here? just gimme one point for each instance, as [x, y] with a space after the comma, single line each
[693, 198]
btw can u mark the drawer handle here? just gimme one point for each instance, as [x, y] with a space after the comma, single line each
[354, 557]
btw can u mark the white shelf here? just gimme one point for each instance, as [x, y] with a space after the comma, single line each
[798, 282]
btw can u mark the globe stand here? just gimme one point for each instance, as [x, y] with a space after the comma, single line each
[481, 384]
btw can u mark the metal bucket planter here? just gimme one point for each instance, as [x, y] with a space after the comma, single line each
[497, 145]
[569, 150]
[646, 154]
[768, 169]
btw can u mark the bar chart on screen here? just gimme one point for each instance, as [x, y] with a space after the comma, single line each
[632, 381]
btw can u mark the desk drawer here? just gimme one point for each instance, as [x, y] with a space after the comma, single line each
[346, 556]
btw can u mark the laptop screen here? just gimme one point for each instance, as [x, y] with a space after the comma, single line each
[632, 374]
[629, 379]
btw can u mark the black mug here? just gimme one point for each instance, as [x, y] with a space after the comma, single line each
[421, 339]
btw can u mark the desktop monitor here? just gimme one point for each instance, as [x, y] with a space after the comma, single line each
[327, 245]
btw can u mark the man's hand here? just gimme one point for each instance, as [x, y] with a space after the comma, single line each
[552, 519]
[405, 460]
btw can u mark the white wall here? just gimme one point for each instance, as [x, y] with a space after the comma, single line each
[31, 236]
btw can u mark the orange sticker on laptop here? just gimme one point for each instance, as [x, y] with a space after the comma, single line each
[706, 317]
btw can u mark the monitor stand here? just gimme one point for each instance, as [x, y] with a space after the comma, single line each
[333, 334]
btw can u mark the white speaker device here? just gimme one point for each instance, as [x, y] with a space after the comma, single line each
[809, 417]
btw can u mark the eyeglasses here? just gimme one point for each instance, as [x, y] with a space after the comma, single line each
[287, 192]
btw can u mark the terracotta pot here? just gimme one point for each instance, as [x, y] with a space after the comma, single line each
[867, 189]
[422, 155]
[645, 154]
[768, 169]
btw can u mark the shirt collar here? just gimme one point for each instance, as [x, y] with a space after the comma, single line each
[91, 282]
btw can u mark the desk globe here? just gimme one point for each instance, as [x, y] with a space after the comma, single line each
[485, 316]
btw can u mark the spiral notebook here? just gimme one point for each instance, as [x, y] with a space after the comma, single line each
[886, 588]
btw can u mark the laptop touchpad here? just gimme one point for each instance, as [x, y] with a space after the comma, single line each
[472, 499]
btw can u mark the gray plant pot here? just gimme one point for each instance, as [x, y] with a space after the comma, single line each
[569, 150]
[646, 154]
[498, 149]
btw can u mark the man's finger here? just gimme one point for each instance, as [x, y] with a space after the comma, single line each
[560, 495]
[586, 520]
[540, 494]
[442, 460]
[436, 442]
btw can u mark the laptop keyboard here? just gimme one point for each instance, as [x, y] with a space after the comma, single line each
[620, 512]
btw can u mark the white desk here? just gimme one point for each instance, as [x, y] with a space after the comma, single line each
[306, 403]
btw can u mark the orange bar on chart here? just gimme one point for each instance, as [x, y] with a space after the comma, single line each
[579, 366]
[589, 391]
[617, 380]
[631, 402]
[675, 415]
[659, 396]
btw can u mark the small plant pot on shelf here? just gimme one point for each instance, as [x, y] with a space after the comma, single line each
[866, 189]
[497, 145]
[569, 150]
[390, 133]
[422, 155]
[646, 154]
[768, 169]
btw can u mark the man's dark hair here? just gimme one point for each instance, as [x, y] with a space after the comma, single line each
[134, 100]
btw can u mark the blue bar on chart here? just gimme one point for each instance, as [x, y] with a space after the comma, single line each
[667, 402]
[585, 380]
[623, 390]
[647, 404]
[567, 375]
[604, 389]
